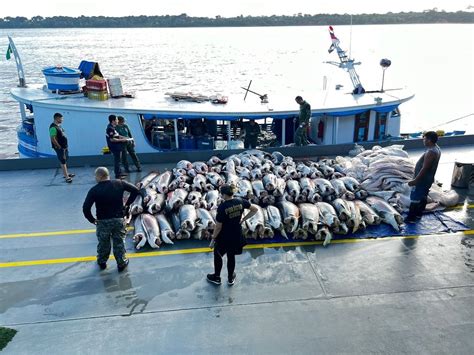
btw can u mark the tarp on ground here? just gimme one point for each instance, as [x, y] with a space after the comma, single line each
[432, 223]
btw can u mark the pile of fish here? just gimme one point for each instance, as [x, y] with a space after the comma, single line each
[297, 199]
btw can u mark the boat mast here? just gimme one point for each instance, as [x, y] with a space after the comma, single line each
[19, 65]
[345, 63]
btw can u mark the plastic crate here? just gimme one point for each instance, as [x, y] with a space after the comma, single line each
[187, 142]
[205, 143]
[162, 140]
[98, 95]
[96, 85]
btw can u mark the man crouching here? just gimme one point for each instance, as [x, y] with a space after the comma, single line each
[108, 198]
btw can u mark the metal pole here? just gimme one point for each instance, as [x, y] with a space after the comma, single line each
[383, 78]
[228, 135]
[283, 132]
[176, 132]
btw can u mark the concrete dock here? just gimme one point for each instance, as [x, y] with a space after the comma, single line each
[411, 294]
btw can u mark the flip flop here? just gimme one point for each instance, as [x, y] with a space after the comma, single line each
[69, 180]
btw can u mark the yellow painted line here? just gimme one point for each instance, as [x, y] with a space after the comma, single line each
[50, 234]
[208, 250]
[90, 231]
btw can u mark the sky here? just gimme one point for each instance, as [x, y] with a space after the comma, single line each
[212, 8]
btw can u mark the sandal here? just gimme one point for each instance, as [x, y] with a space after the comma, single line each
[70, 175]
[69, 180]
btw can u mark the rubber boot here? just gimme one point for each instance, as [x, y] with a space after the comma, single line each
[412, 212]
[421, 208]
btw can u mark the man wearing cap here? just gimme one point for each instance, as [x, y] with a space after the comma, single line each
[115, 142]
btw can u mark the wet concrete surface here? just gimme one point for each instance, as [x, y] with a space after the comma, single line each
[393, 295]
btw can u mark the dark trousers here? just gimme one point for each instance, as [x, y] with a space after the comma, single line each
[117, 159]
[218, 262]
[301, 137]
[250, 143]
[419, 199]
[107, 230]
[130, 148]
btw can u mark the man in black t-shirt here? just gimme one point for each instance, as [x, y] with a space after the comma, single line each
[227, 237]
[115, 142]
[107, 196]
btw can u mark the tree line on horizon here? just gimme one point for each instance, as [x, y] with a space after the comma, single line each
[183, 20]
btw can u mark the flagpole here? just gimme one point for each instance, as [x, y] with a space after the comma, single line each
[19, 65]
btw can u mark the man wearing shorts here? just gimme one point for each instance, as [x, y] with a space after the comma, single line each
[59, 144]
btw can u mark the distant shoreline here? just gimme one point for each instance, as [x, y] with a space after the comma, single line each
[167, 21]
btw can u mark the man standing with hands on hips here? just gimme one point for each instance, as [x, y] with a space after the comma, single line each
[110, 211]
[301, 133]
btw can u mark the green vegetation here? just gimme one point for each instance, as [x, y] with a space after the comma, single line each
[6, 334]
[427, 16]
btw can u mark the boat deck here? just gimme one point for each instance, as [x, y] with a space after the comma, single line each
[390, 295]
[157, 103]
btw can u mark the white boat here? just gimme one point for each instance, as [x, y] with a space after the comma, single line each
[338, 116]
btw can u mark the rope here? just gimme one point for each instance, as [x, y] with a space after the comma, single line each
[456, 119]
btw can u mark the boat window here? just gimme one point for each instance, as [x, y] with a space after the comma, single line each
[361, 128]
[380, 125]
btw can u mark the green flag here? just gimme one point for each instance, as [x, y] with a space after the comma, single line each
[9, 52]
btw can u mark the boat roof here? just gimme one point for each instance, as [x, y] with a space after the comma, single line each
[332, 102]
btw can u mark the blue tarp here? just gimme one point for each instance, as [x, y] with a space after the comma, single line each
[431, 223]
[89, 69]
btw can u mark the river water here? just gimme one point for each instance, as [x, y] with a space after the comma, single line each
[434, 61]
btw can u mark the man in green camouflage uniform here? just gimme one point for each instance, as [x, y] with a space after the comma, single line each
[108, 198]
[301, 137]
[123, 129]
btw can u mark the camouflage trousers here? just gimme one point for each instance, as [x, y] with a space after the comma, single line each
[107, 230]
[301, 137]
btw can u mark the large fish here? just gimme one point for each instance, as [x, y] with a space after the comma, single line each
[139, 236]
[388, 214]
[157, 204]
[323, 186]
[273, 219]
[161, 182]
[175, 199]
[368, 214]
[290, 215]
[200, 167]
[350, 183]
[199, 183]
[166, 231]
[269, 182]
[327, 214]
[244, 189]
[205, 219]
[137, 205]
[184, 164]
[212, 199]
[187, 217]
[152, 230]
[194, 198]
[256, 224]
[309, 217]
[147, 180]
[215, 179]
[259, 189]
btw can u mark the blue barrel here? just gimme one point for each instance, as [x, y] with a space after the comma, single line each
[187, 142]
[62, 78]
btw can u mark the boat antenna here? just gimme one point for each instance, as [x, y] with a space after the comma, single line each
[350, 39]
[19, 65]
[345, 63]
[263, 98]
